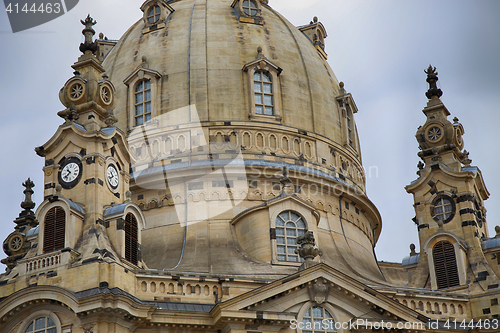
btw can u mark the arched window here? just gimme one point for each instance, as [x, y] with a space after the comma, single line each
[445, 265]
[142, 102]
[263, 92]
[317, 319]
[54, 229]
[154, 14]
[131, 239]
[42, 325]
[289, 226]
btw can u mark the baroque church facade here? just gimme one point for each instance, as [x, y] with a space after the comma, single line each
[208, 177]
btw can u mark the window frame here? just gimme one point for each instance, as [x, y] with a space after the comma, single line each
[460, 250]
[131, 243]
[326, 306]
[155, 13]
[39, 314]
[143, 91]
[446, 272]
[274, 72]
[131, 82]
[347, 109]
[286, 245]
[441, 196]
[57, 226]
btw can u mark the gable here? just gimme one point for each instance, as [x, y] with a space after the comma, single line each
[321, 285]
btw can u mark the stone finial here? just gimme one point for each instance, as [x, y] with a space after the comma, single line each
[307, 251]
[260, 54]
[58, 189]
[69, 114]
[432, 79]
[465, 158]
[110, 118]
[128, 196]
[497, 230]
[440, 224]
[455, 120]
[412, 250]
[144, 63]
[341, 88]
[89, 33]
[101, 35]
[28, 204]
[315, 19]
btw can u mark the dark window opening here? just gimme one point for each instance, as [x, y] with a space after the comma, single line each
[445, 265]
[54, 229]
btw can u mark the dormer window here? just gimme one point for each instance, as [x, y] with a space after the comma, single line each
[350, 129]
[143, 91]
[250, 7]
[154, 14]
[348, 108]
[142, 102]
[263, 93]
[248, 11]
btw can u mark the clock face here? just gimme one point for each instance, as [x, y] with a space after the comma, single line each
[70, 172]
[112, 176]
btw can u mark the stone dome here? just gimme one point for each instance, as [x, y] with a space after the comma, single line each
[201, 54]
[237, 76]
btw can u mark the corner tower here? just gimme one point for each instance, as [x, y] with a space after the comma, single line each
[449, 197]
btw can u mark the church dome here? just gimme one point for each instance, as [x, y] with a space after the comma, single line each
[203, 85]
[201, 53]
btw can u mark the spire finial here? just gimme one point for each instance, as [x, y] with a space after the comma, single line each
[28, 204]
[432, 79]
[88, 32]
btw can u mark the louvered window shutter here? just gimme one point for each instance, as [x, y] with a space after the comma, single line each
[445, 265]
[131, 238]
[54, 229]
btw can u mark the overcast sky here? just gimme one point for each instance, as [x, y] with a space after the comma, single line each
[378, 48]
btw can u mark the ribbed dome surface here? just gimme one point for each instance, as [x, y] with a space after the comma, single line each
[203, 61]
[201, 54]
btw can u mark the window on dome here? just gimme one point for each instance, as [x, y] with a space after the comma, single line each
[54, 229]
[317, 319]
[154, 14]
[131, 239]
[289, 226]
[42, 325]
[250, 7]
[263, 93]
[445, 265]
[350, 130]
[142, 102]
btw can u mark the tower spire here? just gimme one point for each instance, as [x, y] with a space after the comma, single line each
[88, 32]
[432, 79]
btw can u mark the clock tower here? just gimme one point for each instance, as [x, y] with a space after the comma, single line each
[449, 197]
[87, 217]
